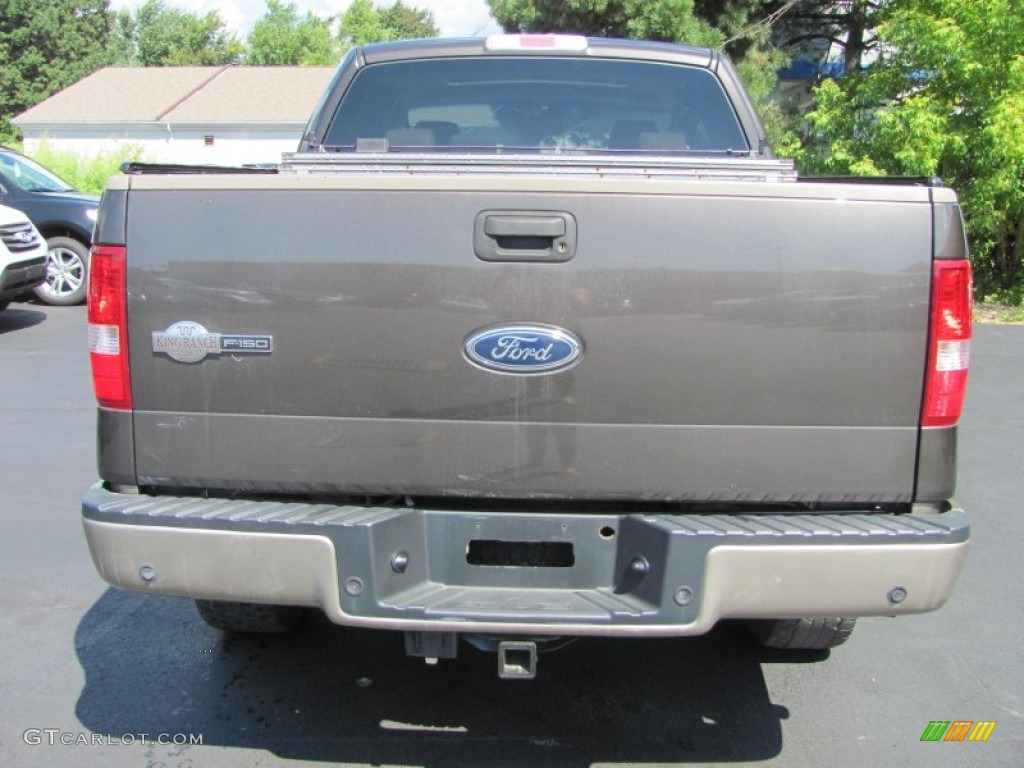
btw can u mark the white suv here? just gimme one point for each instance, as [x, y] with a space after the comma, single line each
[22, 255]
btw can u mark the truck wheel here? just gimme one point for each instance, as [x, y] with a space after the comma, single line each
[67, 264]
[802, 634]
[249, 617]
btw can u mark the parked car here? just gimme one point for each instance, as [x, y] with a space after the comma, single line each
[22, 255]
[62, 214]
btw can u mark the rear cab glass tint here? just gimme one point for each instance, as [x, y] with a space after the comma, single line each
[536, 104]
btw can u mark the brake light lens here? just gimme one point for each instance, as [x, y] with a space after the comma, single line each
[950, 343]
[551, 43]
[108, 326]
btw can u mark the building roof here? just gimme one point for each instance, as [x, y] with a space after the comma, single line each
[229, 94]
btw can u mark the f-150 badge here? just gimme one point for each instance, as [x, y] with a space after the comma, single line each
[523, 349]
[189, 342]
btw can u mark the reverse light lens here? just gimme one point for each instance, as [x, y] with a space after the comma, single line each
[104, 339]
[953, 356]
[950, 343]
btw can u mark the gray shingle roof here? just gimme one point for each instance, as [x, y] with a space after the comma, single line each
[186, 94]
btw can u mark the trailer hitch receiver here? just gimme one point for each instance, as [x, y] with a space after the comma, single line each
[517, 659]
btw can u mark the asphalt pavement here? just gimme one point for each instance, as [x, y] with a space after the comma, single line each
[94, 676]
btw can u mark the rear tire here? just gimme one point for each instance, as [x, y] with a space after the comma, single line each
[249, 617]
[802, 634]
[67, 269]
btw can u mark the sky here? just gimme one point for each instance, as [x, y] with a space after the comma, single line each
[453, 17]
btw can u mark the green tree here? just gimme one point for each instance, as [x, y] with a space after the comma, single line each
[361, 23]
[734, 25]
[847, 25]
[121, 52]
[946, 98]
[282, 37]
[667, 20]
[46, 45]
[159, 35]
[408, 23]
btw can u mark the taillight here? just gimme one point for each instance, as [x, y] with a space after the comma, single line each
[950, 343]
[108, 326]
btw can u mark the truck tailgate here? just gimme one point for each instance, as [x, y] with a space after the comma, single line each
[740, 341]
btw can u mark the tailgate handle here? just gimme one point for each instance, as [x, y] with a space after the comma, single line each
[527, 236]
[524, 226]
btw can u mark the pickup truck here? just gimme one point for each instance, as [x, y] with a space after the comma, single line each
[532, 338]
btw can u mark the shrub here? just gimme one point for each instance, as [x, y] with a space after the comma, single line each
[86, 173]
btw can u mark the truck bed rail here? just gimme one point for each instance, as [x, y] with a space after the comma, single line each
[567, 166]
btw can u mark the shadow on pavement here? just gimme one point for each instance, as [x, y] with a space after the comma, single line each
[18, 316]
[328, 693]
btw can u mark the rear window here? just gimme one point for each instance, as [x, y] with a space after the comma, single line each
[553, 105]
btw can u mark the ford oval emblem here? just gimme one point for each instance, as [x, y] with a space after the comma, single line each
[523, 349]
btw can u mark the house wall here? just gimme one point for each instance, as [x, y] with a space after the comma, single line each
[231, 146]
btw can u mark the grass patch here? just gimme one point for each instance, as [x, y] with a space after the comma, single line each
[86, 173]
[990, 312]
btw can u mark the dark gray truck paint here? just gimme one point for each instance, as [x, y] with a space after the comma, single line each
[751, 346]
[368, 359]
